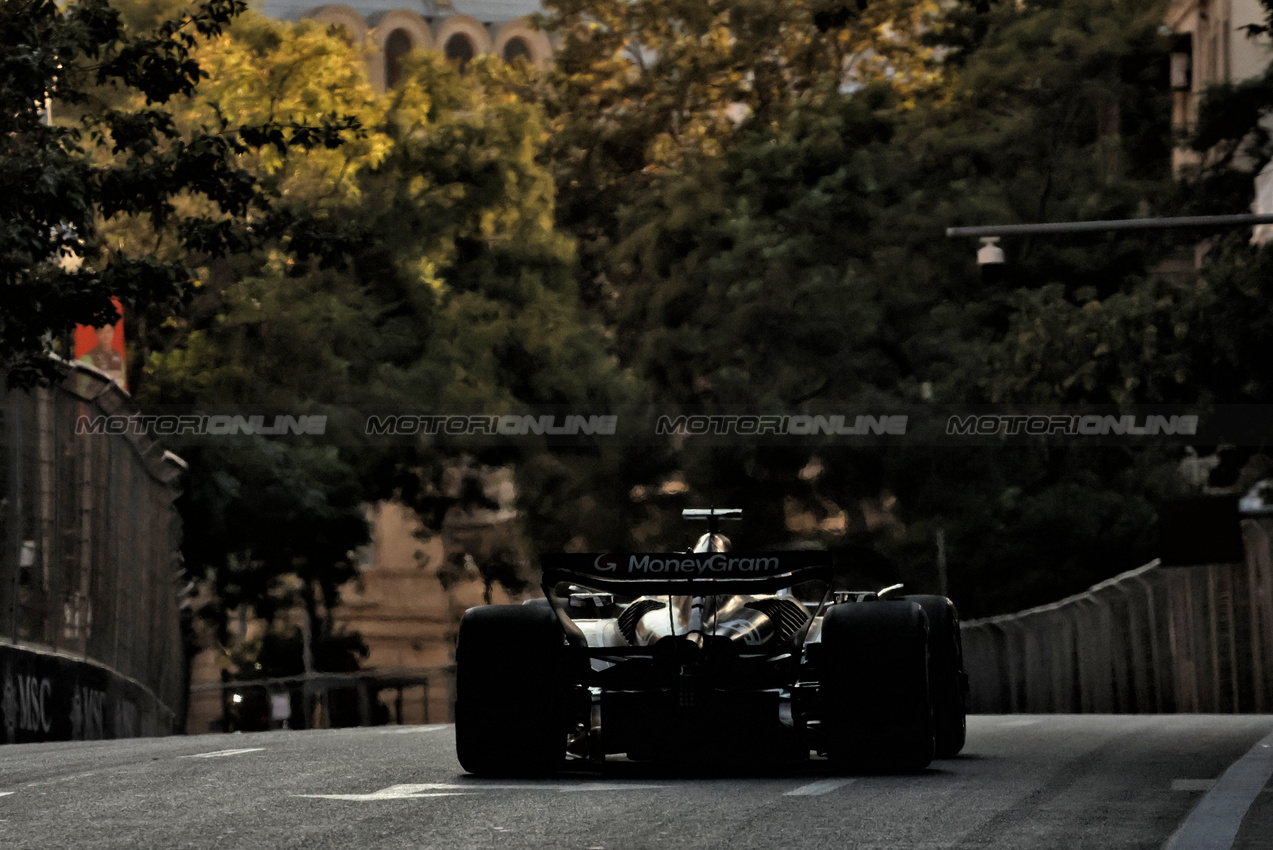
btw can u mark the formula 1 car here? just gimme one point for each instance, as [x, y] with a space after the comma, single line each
[674, 656]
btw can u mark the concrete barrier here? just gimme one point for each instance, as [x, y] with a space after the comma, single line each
[48, 696]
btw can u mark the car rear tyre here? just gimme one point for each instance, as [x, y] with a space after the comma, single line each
[947, 680]
[512, 691]
[876, 709]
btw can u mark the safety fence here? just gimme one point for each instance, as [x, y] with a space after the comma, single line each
[1156, 639]
[407, 695]
[89, 559]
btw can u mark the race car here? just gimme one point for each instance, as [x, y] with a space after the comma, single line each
[708, 653]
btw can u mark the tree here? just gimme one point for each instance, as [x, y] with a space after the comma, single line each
[1193, 339]
[797, 264]
[652, 105]
[1059, 112]
[112, 149]
[480, 308]
[453, 289]
[654, 88]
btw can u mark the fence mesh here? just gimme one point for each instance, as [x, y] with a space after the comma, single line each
[89, 535]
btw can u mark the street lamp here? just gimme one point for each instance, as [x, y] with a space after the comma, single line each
[990, 254]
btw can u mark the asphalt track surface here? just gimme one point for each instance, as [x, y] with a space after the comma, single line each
[1023, 782]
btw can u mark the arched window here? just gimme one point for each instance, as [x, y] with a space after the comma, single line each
[516, 48]
[397, 45]
[459, 48]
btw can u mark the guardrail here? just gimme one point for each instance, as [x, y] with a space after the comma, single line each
[89, 536]
[1155, 639]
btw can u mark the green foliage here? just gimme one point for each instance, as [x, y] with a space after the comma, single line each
[258, 514]
[114, 151]
[647, 89]
[793, 260]
[453, 289]
[748, 199]
[746, 278]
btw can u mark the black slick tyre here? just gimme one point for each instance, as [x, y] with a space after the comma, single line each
[512, 691]
[876, 710]
[947, 680]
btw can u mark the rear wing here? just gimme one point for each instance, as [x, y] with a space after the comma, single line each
[687, 573]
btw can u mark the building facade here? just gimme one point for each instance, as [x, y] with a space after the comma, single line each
[1213, 46]
[461, 29]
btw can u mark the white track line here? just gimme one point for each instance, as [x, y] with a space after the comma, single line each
[452, 789]
[1192, 784]
[814, 789]
[222, 753]
[1214, 822]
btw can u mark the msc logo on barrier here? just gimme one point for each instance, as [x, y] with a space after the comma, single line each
[88, 715]
[34, 710]
[26, 704]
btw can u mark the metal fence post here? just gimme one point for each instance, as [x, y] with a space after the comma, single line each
[1065, 678]
[1116, 643]
[1184, 645]
[986, 662]
[1088, 662]
[1014, 662]
[1146, 661]
[1034, 662]
[13, 552]
[1256, 541]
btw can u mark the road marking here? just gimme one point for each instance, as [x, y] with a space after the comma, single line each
[58, 779]
[5, 793]
[1214, 822]
[814, 789]
[454, 789]
[393, 792]
[1192, 784]
[1011, 723]
[216, 754]
[407, 730]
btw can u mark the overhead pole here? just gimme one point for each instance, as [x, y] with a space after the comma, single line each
[1115, 224]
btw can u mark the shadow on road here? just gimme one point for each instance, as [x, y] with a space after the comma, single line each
[622, 769]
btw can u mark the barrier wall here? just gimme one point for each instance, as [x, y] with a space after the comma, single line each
[89, 559]
[1156, 639]
[48, 696]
